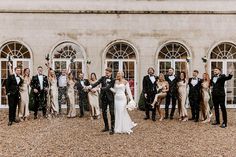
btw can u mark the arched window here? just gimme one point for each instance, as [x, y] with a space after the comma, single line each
[121, 56]
[224, 56]
[20, 56]
[15, 50]
[173, 55]
[120, 50]
[64, 53]
[68, 54]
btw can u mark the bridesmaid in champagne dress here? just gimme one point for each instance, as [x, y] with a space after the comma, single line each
[182, 96]
[93, 97]
[71, 95]
[53, 93]
[24, 103]
[162, 89]
[206, 97]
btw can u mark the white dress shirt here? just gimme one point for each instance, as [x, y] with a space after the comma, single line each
[215, 79]
[40, 77]
[152, 78]
[82, 83]
[62, 81]
[194, 81]
[17, 79]
[172, 77]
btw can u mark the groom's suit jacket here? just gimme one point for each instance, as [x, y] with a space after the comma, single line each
[36, 85]
[106, 93]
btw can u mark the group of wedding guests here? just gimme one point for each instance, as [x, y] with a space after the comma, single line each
[176, 88]
[48, 92]
[114, 93]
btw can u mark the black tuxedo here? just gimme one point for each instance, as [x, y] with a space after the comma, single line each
[107, 99]
[149, 89]
[171, 95]
[83, 95]
[218, 96]
[40, 98]
[195, 97]
[13, 93]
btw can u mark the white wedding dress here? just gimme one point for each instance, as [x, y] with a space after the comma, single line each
[123, 122]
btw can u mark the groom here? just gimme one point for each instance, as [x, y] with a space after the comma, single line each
[107, 99]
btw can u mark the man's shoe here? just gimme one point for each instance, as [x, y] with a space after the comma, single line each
[146, 118]
[215, 123]
[111, 132]
[192, 118]
[153, 119]
[81, 116]
[196, 120]
[105, 130]
[223, 125]
[9, 123]
[16, 121]
[171, 117]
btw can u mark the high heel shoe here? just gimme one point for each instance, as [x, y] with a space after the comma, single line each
[185, 119]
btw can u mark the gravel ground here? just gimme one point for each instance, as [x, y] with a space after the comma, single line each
[82, 137]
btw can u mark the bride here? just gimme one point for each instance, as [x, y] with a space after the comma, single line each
[123, 122]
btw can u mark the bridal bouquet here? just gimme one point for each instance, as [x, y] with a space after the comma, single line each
[131, 105]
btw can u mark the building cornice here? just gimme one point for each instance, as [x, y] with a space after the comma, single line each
[118, 7]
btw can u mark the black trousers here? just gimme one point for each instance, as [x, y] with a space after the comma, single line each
[173, 102]
[13, 102]
[105, 103]
[150, 98]
[63, 91]
[40, 100]
[220, 101]
[195, 107]
[82, 103]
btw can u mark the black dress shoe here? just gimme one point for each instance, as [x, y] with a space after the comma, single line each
[196, 120]
[80, 116]
[171, 117]
[105, 130]
[9, 123]
[166, 117]
[223, 125]
[146, 118]
[215, 123]
[16, 121]
[192, 119]
[35, 117]
[153, 119]
[111, 132]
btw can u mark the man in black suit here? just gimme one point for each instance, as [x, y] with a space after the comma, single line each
[195, 95]
[107, 98]
[13, 84]
[81, 85]
[149, 90]
[171, 94]
[218, 95]
[39, 85]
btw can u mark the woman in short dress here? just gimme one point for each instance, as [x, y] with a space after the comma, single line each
[162, 89]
